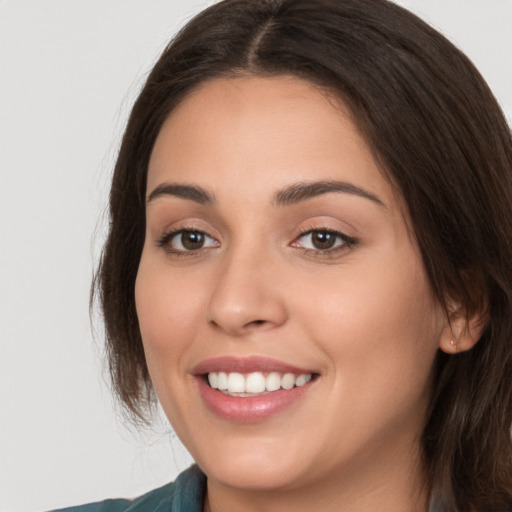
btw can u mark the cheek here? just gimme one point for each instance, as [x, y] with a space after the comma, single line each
[167, 310]
[379, 326]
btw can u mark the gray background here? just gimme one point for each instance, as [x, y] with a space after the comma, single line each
[70, 70]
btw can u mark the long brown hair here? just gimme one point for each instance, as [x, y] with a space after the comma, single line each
[440, 137]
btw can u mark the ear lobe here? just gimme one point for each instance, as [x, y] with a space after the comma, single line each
[462, 332]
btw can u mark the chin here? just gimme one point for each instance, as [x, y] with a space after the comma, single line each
[264, 476]
[259, 468]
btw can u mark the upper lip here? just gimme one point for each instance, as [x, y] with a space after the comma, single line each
[246, 365]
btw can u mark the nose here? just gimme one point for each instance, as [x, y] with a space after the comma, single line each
[246, 297]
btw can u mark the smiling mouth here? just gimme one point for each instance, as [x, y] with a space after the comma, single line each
[255, 383]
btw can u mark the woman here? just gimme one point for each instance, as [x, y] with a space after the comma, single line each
[309, 263]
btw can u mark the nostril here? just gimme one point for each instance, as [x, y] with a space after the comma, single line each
[255, 324]
[248, 325]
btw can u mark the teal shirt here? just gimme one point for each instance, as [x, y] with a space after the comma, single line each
[185, 494]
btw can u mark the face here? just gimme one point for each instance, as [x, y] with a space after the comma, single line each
[278, 267]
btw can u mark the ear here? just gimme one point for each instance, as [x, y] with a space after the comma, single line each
[462, 332]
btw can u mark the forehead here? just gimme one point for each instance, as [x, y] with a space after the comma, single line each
[259, 133]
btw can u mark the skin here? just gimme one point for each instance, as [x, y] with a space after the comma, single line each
[361, 316]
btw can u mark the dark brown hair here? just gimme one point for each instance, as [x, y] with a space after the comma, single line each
[440, 137]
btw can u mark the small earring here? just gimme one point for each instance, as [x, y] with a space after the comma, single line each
[452, 343]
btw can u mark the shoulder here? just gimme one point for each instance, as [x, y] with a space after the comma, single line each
[187, 492]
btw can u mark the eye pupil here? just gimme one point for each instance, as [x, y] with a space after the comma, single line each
[323, 239]
[192, 240]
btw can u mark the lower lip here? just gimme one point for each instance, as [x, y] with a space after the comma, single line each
[250, 409]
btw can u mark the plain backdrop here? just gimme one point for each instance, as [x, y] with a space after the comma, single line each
[69, 73]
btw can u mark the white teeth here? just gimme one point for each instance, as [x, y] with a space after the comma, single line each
[273, 381]
[213, 379]
[288, 381]
[222, 382]
[236, 383]
[255, 383]
[302, 379]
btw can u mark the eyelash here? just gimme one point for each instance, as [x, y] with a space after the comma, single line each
[165, 240]
[348, 242]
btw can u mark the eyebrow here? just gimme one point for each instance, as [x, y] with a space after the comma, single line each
[307, 190]
[292, 194]
[191, 192]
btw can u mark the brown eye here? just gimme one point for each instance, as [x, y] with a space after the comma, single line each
[192, 240]
[323, 239]
[187, 240]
